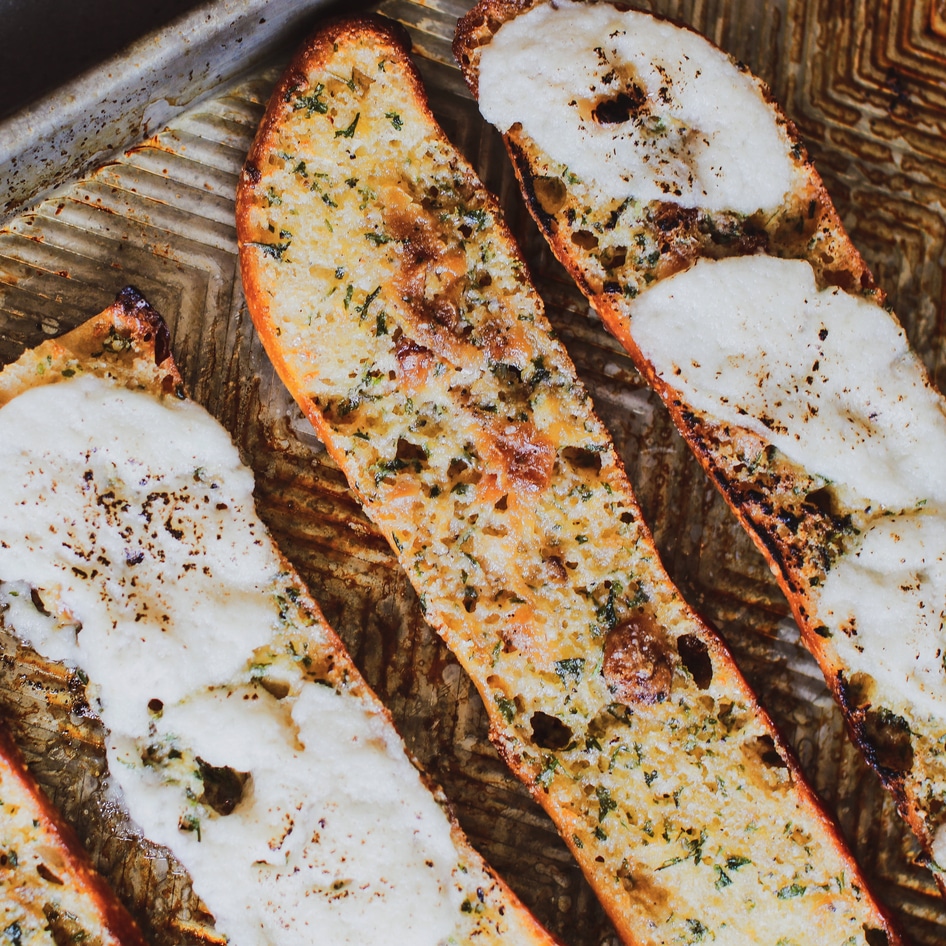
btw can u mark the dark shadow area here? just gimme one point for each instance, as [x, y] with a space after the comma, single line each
[46, 43]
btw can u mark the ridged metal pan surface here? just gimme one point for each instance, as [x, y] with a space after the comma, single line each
[866, 83]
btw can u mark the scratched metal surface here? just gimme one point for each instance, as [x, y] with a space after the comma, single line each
[864, 80]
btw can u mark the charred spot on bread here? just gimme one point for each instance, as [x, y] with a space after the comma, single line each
[888, 740]
[223, 786]
[636, 665]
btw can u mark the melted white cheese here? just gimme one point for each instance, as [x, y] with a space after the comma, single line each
[886, 605]
[703, 137]
[136, 520]
[939, 848]
[127, 511]
[830, 380]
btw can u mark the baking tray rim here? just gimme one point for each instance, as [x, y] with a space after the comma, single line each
[130, 95]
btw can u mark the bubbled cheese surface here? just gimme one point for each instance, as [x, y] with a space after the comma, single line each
[637, 107]
[825, 376]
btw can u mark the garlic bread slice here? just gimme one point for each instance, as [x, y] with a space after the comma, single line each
[684, 205]
[239, 736]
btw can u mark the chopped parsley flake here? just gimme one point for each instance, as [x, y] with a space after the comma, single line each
[570, 668]
[349, 132]
[507, 708]
[792, 890]
[606, 804]
[549, 764]
[313, 104]
[273, 250]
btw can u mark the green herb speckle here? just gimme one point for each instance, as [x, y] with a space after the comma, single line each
[349, 132]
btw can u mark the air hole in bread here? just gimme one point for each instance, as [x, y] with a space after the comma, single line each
[582, 458]
[509, 374]
[613, 257]
[824, 500]
[695, 656]
[550, 193]
[470, 596]
[408, 452]
[770, 756]
[876, 937]
[584, 239]
[549, 732]
[276, 688]
[48, 875]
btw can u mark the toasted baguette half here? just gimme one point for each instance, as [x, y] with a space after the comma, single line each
[858, 556]
[398, 311]
[200, 771]
[49, 891]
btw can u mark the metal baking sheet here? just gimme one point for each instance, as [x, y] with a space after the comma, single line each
[136, 91]
[865, 84]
